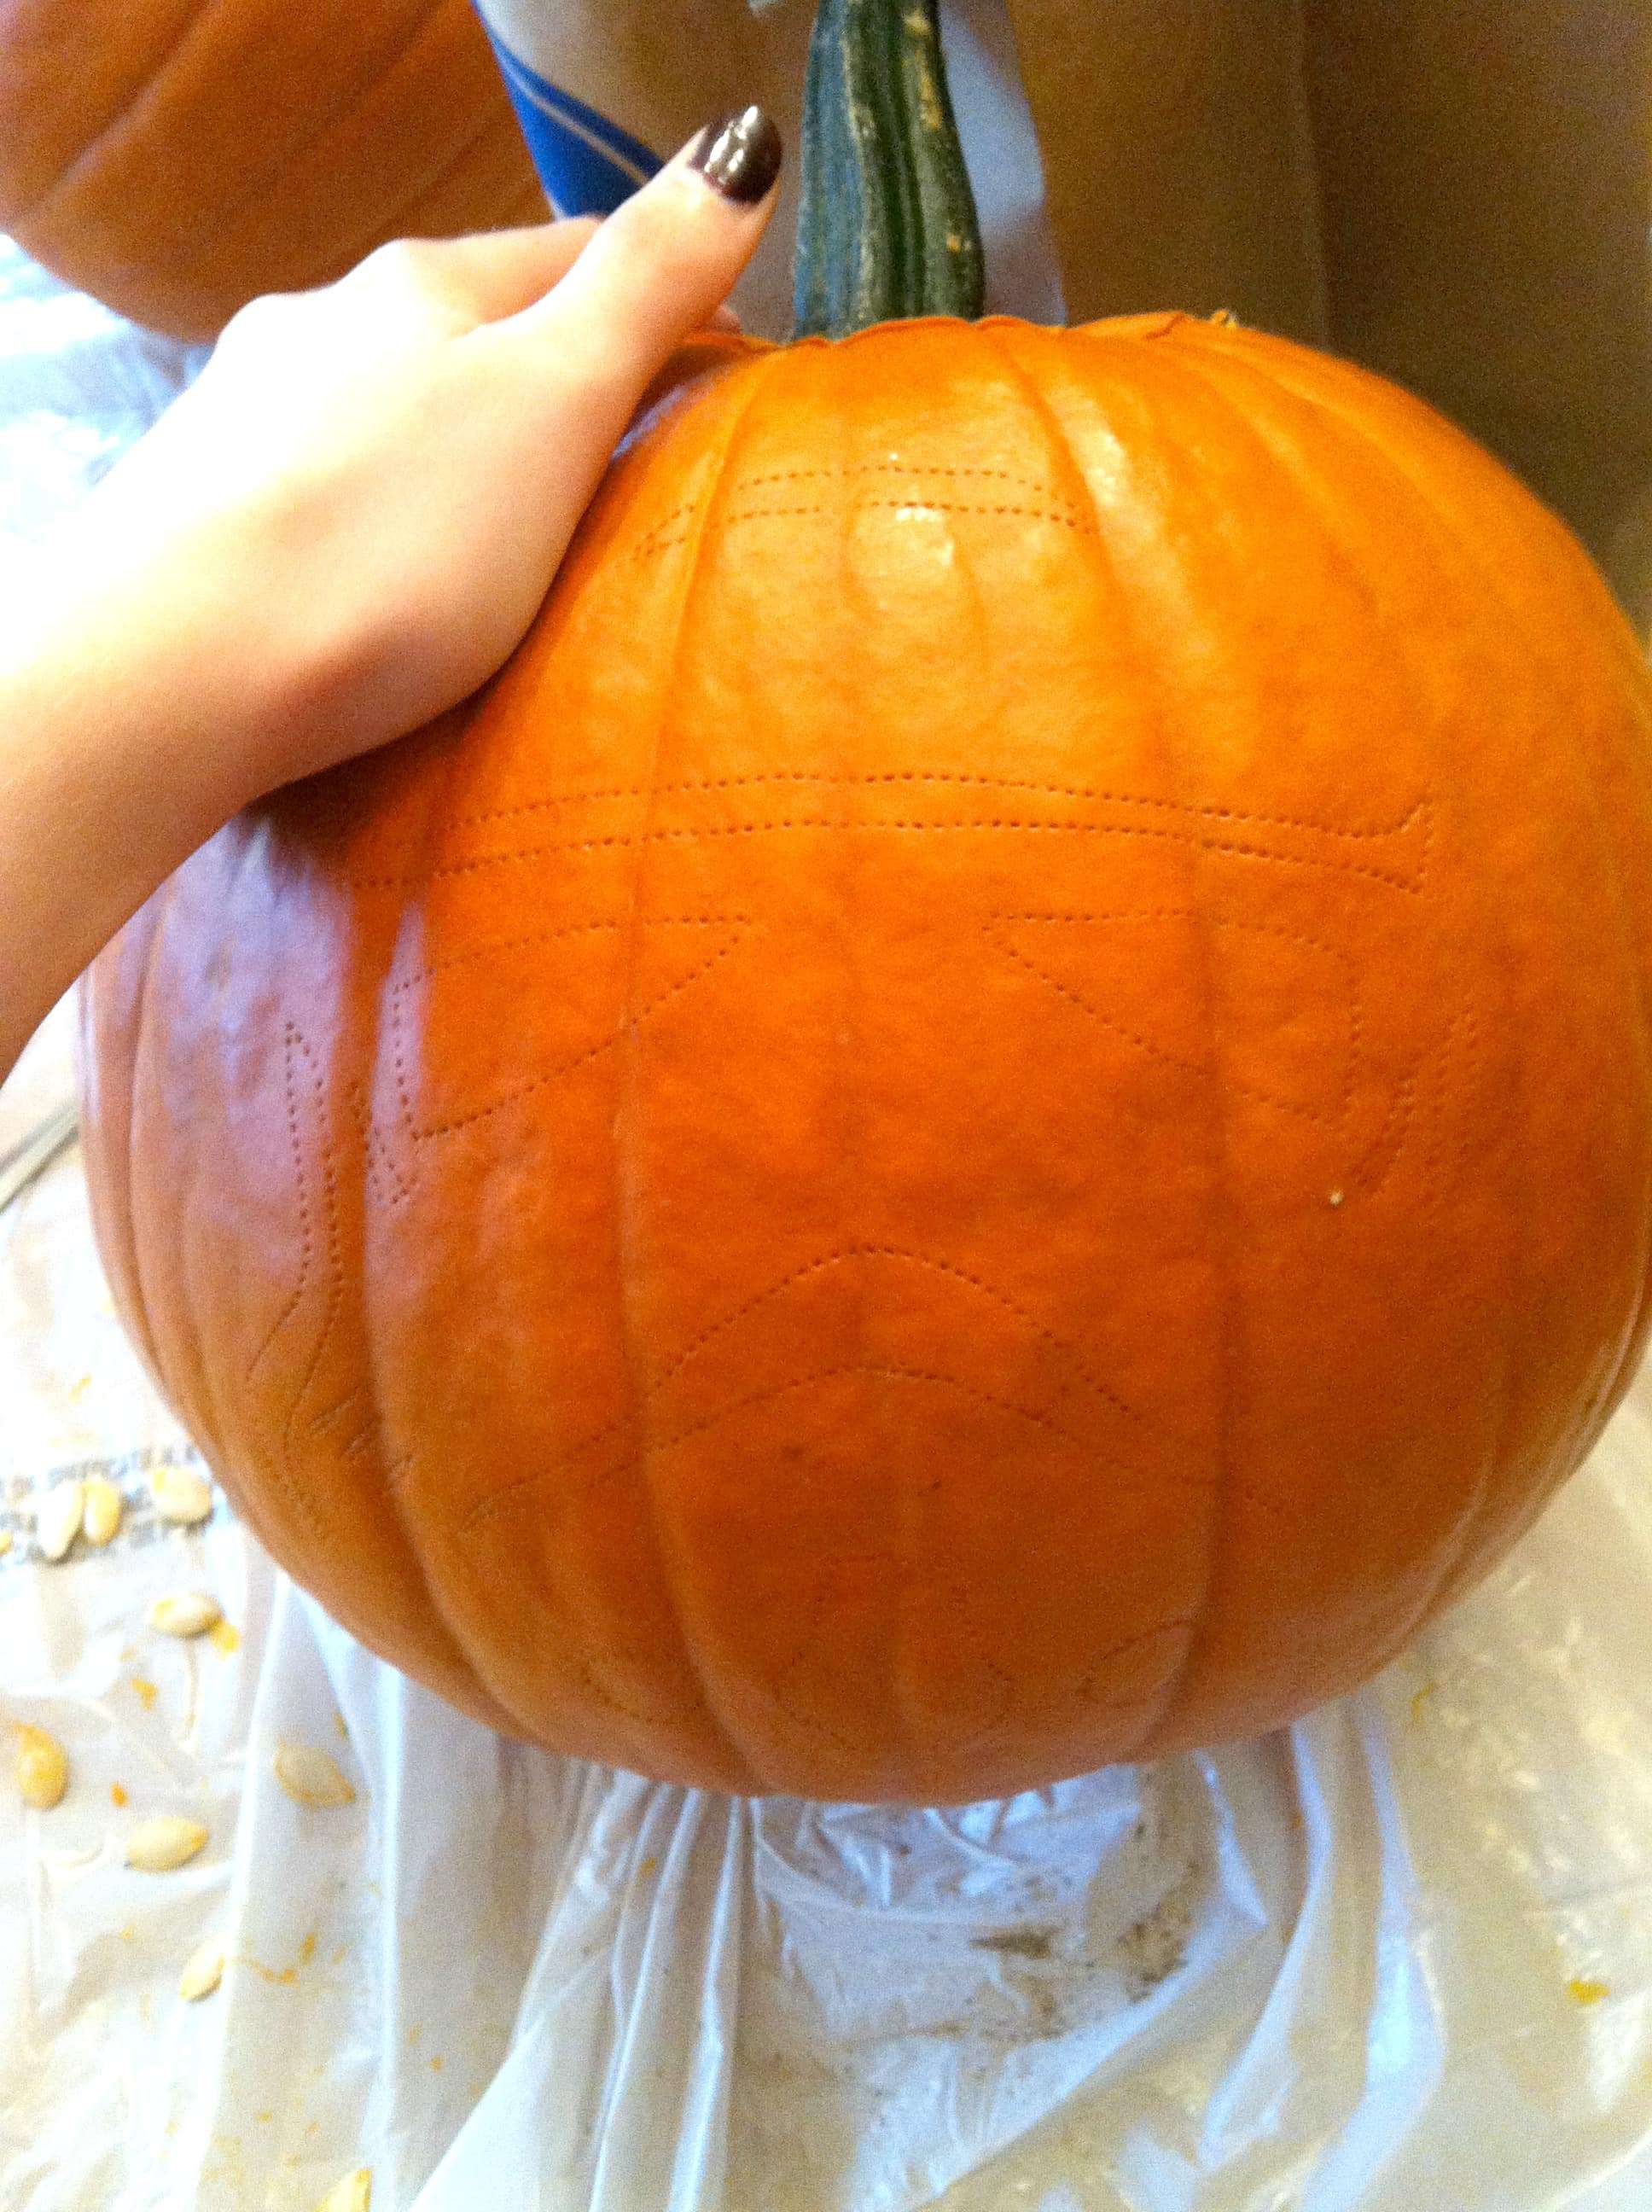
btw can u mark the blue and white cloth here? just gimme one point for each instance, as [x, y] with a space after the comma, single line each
[586, 163]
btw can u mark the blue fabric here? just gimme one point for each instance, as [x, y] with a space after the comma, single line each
[586, 164]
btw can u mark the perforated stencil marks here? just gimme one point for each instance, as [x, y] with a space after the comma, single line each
[500, 1029]
[513, 1047]
[481, 1028]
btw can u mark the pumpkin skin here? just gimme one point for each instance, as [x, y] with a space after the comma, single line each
[177, 157]
[990, 1114]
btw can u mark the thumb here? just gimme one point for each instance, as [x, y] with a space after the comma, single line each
[657, 269]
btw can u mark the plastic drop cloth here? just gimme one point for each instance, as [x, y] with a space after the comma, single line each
[1397, 1958]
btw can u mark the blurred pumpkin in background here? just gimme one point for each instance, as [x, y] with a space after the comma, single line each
[994, 1111]
[177, 157]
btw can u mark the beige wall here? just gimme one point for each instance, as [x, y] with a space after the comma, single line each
[1455, 191]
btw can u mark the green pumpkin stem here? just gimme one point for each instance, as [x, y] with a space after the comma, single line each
[888, 225]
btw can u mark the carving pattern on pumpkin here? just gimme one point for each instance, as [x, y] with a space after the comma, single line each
[1215, 829]
[484, 968]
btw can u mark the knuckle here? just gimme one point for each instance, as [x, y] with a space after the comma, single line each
[259, 321]
[408, 262]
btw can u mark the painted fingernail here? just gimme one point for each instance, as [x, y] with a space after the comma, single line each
[741, 157]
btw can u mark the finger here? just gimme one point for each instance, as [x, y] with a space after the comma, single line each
[658, 270]
[492, 274]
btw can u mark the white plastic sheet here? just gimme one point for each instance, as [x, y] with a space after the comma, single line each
[1399, 1957]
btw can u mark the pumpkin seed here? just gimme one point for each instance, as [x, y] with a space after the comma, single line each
[157, 1847]
[42, 1768]
[203, 1971]
[102, 1506]
[186, 1613]
[353, 2194]
[58, 1519]
[180, 1495]
[311, 1776]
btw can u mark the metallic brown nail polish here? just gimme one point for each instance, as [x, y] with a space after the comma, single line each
[741, 157]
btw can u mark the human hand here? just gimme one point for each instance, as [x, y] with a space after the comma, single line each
[340, 531]
[350, 520]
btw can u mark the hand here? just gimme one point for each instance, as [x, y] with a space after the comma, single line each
[363, 499]
[340, 531]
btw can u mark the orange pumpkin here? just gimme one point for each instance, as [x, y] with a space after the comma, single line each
[992, 1112]
[175, 157]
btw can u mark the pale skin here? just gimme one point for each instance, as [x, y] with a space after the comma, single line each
[341, 529]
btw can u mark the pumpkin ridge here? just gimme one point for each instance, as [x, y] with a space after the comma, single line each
[376, 1153]
[1632, 1341]
[628, 1201]
[140, 1293]
[324, 1420]
[419, 212]
[1356, 428]
[1460, 1544]
[105, 1163]
[334, 1292]
[458, 1655]
[1194, 353]
[1589, 771]
[1282, 456]
[131, 109]
[305, 1233]
[378, 71]
[354, 243]
[1176, 1686]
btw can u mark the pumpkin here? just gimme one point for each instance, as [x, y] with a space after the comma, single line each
[176, 157]
[992, 1112]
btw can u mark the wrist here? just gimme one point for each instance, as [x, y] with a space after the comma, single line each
[133, 721]
[168, 693]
